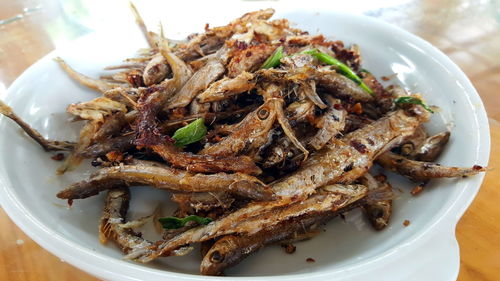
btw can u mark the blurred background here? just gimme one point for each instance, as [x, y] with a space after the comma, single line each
[468, 31]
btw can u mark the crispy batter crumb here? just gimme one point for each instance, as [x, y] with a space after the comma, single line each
[114, 156]
[406, 223]
[310, 260]
[58, 157]
[289, 248]
[417, 189]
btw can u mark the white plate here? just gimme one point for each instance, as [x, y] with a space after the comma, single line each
[427, 249]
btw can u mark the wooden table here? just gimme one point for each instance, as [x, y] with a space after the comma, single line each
[466, 30]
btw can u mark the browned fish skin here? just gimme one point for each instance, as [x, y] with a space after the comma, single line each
[241, 62]
[205, 163]
[423, 171]
[165, 178]
[227, 87]
[121, 143]
[333, 122]
[190, 203]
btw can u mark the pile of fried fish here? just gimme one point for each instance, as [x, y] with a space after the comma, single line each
[261, 132]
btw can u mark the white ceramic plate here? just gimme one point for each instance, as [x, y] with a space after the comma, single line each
[425, 250]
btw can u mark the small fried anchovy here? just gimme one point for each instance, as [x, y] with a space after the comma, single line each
[232, 249]
[142, 26]
[330, 198]
[432, 147]
[191, 203]
[343, 163]
[205, 163]
[250, 134]
[150, 105]
[47, 145]
[200, 80]
[126, 96]
[156, 70]
[332, 123]
[378, 212]
[423, 171]
[309, 90]
[164, 177]
[85, 139]
[341, 85]
[287, 128]
[409, 147]
[121, 143]
[227, 87]
[94, 84]
[115, 211]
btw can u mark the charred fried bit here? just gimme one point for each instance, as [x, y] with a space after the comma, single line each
[287, 129]
[422, 171]
[47, 145]
[205, 163]
[164, 177]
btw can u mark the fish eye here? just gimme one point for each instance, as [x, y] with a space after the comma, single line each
[263, 114]
[216, 257]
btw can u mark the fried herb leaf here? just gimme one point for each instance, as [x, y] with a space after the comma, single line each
[342, 68]
[193, 132]
[274, 59]
[412, 100]
[174, 223]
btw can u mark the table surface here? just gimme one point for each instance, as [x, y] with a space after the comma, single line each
[468, 31]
